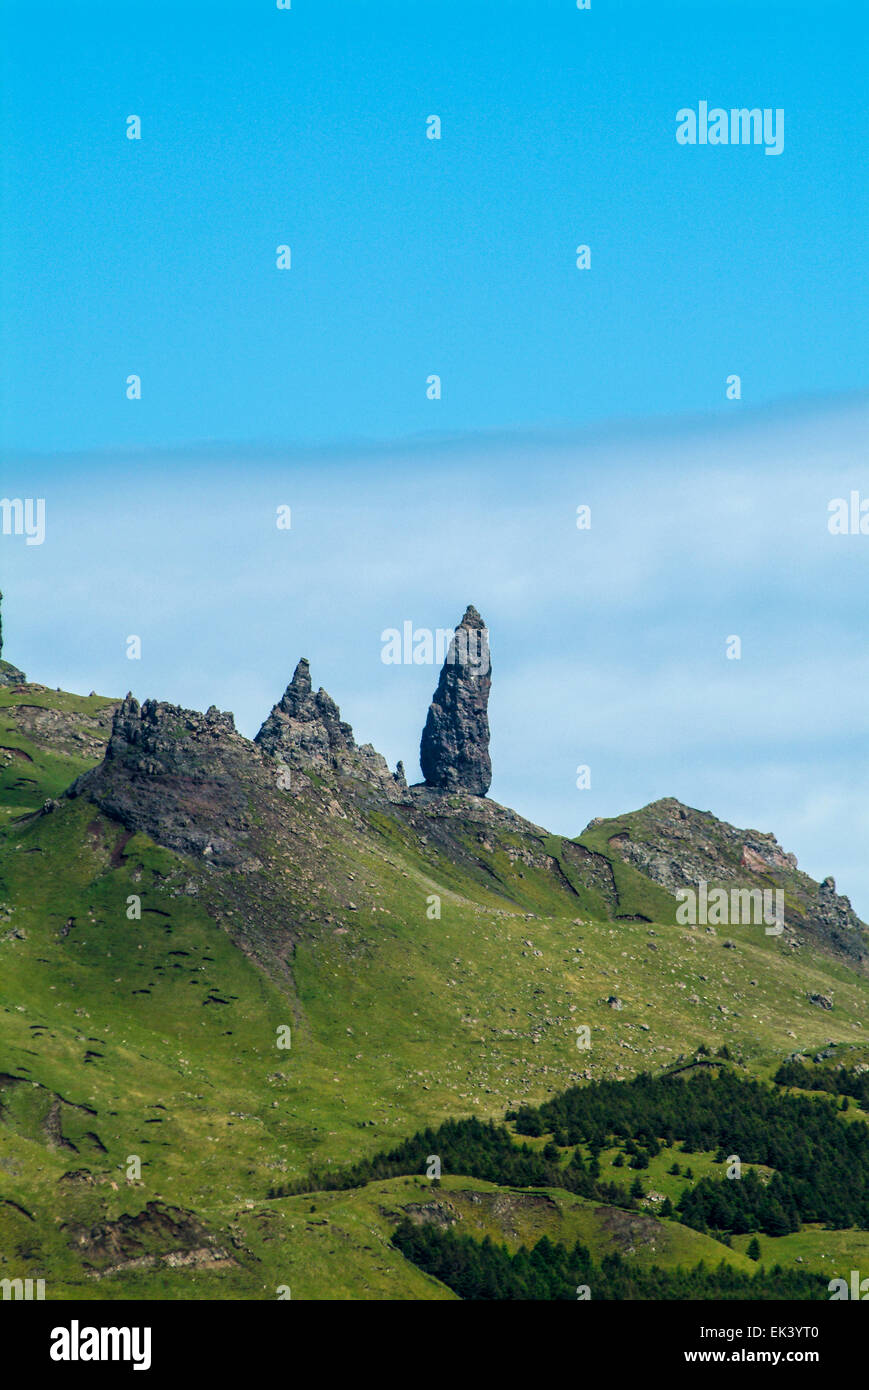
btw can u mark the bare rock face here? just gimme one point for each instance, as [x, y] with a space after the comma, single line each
[10, 675]
[180, 776]
[304, 729]
[454, 752]
[191, 781]
[678, 847]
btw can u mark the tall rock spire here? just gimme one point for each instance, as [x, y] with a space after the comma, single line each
[454, 752]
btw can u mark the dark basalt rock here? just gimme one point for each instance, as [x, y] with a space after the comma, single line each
[304, 729]
[836, 918]
[306, 732]
[454, 752]
[196, 785]
[180, 776]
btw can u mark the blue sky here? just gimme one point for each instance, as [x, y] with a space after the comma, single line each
[456, 257]
[306, 127]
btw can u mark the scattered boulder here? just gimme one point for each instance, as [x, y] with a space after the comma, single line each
[823, 1001]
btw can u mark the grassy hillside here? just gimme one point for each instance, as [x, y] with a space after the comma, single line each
[156, 1037]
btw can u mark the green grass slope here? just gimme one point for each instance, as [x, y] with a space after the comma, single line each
[146, 1107]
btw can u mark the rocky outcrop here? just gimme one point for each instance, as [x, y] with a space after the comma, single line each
[834, 915]
[304, 729]
[196, 785]
[10, 675]
[678, 847]
[454, 752]
[180, 776]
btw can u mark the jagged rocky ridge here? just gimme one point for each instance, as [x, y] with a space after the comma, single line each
[306, 731]
[679, 847]
[180, 776]
[197, 786]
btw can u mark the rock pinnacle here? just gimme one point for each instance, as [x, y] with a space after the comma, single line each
[454, 752]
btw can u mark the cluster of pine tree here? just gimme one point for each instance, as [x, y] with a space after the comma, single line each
[820, 1162]
[475, 1149]
[839, 1081]
[747, 1205]
[483, 1270]
[705, 1110]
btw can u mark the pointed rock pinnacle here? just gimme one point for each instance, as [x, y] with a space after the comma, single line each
[454, 752]
[304, 729]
